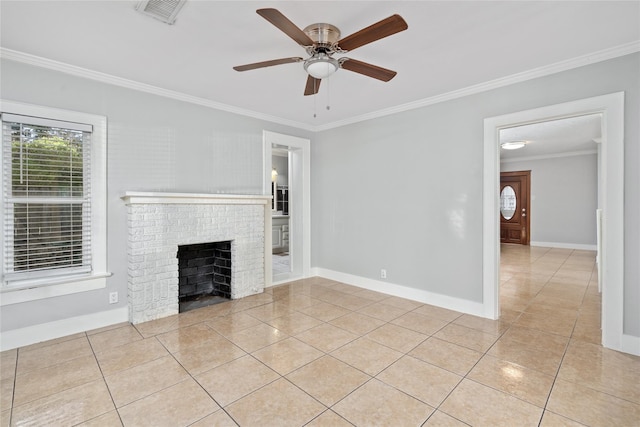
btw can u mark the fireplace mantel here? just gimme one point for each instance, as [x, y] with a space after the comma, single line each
[140, 197]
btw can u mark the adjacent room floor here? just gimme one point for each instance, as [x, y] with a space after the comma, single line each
[321, 353]
[280, 263]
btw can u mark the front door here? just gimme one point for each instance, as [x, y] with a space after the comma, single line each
[514, 207]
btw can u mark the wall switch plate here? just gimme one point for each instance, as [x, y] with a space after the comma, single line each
[383, 274]
[113, 297]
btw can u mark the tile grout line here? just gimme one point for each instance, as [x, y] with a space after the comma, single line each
[104, 380]
[555, 376]
[350, 311]
[191, 375]
[470, 379]
[58, 363]
[15, 380]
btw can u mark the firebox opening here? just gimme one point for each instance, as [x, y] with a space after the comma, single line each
[204, 274]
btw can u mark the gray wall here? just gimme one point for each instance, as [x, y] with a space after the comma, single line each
[404, 192]
[154, 144]
[564, 195]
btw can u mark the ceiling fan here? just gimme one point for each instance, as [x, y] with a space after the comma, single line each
[322, 41]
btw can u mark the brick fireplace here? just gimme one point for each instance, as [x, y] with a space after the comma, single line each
[159, 223]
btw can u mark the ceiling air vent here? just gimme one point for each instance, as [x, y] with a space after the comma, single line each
[162, 10]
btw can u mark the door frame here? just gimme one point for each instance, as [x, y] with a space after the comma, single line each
[299, 203]
[527, 198]
[611, 107]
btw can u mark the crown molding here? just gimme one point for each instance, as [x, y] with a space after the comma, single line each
[62, 67]
[550, 156]
[580, 61]
[557, 67]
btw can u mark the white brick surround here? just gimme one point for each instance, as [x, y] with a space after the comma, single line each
[159, 222]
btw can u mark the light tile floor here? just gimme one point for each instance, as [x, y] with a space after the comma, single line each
[280, 263]
[321, 353]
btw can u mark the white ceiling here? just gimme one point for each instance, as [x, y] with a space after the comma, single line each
[449, 46]
[553, 138]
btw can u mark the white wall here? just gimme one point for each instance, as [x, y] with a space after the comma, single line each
[564, 194]
[154, 144]
[404, 192]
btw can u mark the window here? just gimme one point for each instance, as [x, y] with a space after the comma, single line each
[54, 192]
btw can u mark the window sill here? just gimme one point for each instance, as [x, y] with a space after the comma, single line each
[35, 290]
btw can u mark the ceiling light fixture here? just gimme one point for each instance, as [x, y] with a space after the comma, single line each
[321, 65]
[513, 145]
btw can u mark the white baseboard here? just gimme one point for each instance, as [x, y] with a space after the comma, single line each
[628, 343]
[577, 246]
[60, 328]
[420, 295]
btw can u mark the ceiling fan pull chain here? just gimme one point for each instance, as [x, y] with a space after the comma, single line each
[315, 99]
[328, 94]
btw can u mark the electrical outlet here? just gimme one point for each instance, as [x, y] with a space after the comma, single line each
[383, 274]
[113, 297]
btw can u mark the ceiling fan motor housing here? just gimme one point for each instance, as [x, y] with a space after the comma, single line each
[323, 35]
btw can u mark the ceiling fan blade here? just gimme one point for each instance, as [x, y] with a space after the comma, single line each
[266, 64]
[289, 28]
[379, 30]
[312, 87]
[368, 69]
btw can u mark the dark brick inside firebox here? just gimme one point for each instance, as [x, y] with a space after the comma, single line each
[204, 271]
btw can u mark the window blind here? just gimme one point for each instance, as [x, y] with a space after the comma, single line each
[46, 193]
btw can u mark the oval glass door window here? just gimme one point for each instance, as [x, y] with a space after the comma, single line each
[507, 202]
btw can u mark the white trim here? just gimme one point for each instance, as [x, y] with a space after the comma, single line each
[43, 121]
[558, 67]
[61, 328]
[73, 70]
[65, 285]
[426, 297]
[266, 190]
[577, 246]
[48, 288]
[140, 197]
[300, 201]
[580, 61]
[549, 156]
[612, 174]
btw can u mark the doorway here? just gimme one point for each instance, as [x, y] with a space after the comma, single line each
[515, 199]
[281, 260]
[293, 236]
[611, 178]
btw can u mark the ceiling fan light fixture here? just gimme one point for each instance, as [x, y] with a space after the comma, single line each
[513, 145]
[321, 66]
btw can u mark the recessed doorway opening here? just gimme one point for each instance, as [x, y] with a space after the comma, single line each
[287, 178]
[281, 210]
[611, 107]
